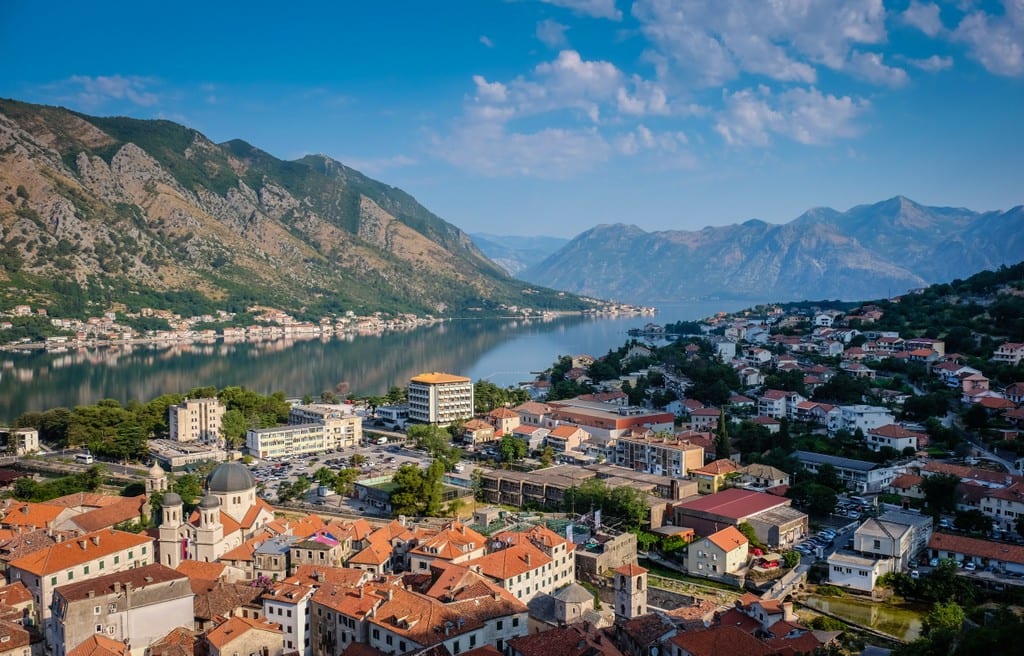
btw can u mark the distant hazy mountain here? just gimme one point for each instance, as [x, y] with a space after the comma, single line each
[869, 251]
[514, 254]
[97, 211]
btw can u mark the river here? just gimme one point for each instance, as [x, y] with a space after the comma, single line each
[504, 352]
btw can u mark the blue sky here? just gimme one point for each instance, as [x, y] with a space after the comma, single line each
[535, 117]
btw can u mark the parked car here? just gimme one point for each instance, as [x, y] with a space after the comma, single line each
[934, 562]
[971, 566]
[915, 574]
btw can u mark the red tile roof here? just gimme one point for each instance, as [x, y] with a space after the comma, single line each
[630, 570]
[235, 627]
[99, 645]
[728, 539]
[1007, 553]
[510, 562]
[720, 640]
[137, 578]
[80, 550]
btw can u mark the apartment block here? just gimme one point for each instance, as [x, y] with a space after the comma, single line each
[196, 420]
[440, 398]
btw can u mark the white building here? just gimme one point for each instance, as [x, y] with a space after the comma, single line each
[196, 420]
[864, 417]
[439, 398]
[325, 431]
[289, 606]
[856, 572]
[20, 441]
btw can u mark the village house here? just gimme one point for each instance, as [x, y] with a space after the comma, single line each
[722, 553]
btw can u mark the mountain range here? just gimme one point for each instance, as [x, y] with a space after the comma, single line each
[96, 210]
[869, 251]
[515, 254]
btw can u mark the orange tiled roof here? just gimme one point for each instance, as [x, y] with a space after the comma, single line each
[717, 468]
[99, 645]
[196, 569]
[993, 551]
[630, 569]
[88, 547]
[26, 513]
[244, 552]
[125, 509]
[14, 594]
[223, 635]
[728, 539]
[84, 500]
[510, 561]
[720, 640]
[313, 575]
[436, 378]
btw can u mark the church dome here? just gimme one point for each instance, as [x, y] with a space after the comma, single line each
[209, 501]
[172, 499]
[156, 471]
[230, 477]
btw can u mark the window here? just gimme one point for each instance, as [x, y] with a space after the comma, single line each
[117, 559]
[388, 639]
[131, 555]
[71, 574]
[456, 647]
[376, 634]
[85, 570]
[110, 629]
[53, 580]
[515, 621]
[96, 610]
[103, 564]
[501, 625]
[99, 628]
[143, 551]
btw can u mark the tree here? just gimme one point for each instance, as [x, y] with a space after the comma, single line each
[722, 446]
[940, 492]
[233, 427]
[829, 477]
[791, 559]
[512, 448]
[748, 532]
[189, 488]
[345, 481]
[945, 619]
[325, 476]
[407, 497]
[547, 457]
[972, 521]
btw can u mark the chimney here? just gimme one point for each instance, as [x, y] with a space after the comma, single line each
[91, 594]
[117, 586]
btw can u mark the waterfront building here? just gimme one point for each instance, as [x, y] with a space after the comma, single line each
[439, 398]
[196, 420]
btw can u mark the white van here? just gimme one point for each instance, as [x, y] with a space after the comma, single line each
[84, 458]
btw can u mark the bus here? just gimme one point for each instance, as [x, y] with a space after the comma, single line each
[84, 458]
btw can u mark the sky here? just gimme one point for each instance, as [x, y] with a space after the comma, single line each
[547, 117]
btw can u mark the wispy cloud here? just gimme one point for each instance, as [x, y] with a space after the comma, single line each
[552, 33]
[870, 67]
[925, 16]
[932, 64]
[378, 165]
[94, 92]
[486, 40]
[710, 42]
[997, 42]
[592, 8]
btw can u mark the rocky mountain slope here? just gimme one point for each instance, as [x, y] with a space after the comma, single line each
[869, 251]
[97, 210]
[515, 254]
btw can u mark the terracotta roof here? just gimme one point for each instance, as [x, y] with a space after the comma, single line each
[235, 627]
[717, 468]
[706, 412]
[993, 403]
[533, 408]
[511, 561]
[13, 637]
[137, 578]
[630, 570]
[313, 575]
[24, 544]
[740, 620]
[565, 431]
[125, 509]
[436, 378]
[178, 642]
[80, 550]
[906, 481]
[502, 413]
[728, 539]
[453, 541]
[476, 425]
[892, 430]
[197, 569]
[648, 630]
[765, 420]
[377, 553]
[774, 395]
[99, 645]
[245, 551]
[26, 513]
[301, 527]
[1007, 553]
[217, 598]
[570, 640]
[84, 500]
[14, 594]
[720, 640]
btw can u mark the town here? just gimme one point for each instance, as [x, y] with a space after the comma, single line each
[704, 489]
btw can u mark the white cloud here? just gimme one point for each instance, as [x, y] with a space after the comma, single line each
[752, 116]
[593, 8]
[932, 64]
[490, 92]
[997, 42]
[785, 40]
[869, 66]
[552, 33]
[923, 16]
[486, 40]
[491, 150]
[641, 138]
[647, 98]
[96, 91]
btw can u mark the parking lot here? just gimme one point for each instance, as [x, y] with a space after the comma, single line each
[381, 460]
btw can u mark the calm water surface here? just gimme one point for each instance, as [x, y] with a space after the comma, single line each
[502, 351]
[902, 622]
